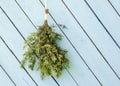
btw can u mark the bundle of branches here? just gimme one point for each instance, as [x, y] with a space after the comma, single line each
[42, 48]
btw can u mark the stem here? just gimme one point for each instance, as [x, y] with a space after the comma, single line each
[46, 11]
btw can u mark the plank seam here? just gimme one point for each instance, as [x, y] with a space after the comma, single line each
[25, 14]
[113, 7]
[7, 75]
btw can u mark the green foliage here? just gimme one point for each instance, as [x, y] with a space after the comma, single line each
[44, 51]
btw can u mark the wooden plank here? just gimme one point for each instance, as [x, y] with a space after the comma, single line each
[4, 79]
[116, 25]
[110, 22]
[66, 77]
[116, 5]
[80, 40]
[15, 42]
[13, 67]
[87, 19]
[107, 31]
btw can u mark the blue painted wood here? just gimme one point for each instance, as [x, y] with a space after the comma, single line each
[116, 5]
[111, 27]
[81, 16]
[4, 79]
[93, 53]
[116, 29]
